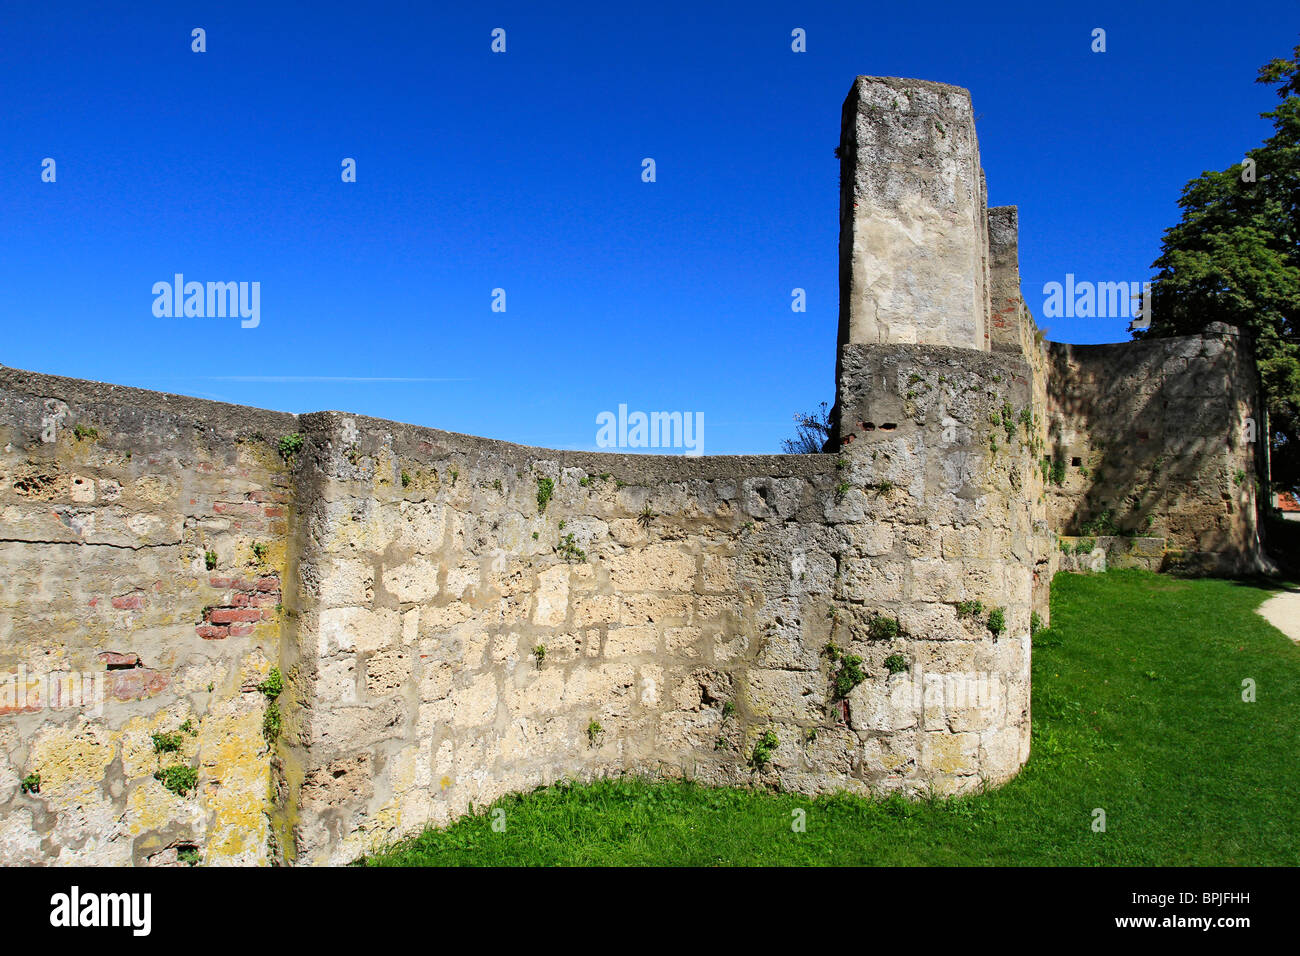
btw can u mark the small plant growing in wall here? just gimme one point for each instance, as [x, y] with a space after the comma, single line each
[179, 779]
[997, 621]
[545, 488]
[85, 432]
[728, 709]
[166, 743]
[896, 663]
[1085, 545]
[259, 551]
[406, 478]
[849, 676]
[210, 559]
[883, 488]
[970, 609]
[539, 652]
[189, 855]
[271, 688]
[646, 516]
[32, 783]
[1035, 623]
[290, 445]
[568, 549]
[884, 628]
[594, 730]
[1008, 422]
[189, 727]
[1104, 524]
[763, 747]
[841, 490]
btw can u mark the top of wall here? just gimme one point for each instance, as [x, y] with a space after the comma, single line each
[226, 418]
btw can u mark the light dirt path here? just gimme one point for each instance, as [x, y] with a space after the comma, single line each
[1283, 612]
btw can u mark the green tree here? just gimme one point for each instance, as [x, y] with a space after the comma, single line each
[1235, 257]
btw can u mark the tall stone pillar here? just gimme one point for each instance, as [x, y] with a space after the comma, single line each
[913, 229]
[1007, 323]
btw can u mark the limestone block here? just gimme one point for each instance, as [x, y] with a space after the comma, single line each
[413, 581]
[388, 671]
[552, 596]
[657, 567]
[632, 641]
[475, 703]
[947, 753]
[357, 629]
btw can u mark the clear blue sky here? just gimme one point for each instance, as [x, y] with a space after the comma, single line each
[523, 171]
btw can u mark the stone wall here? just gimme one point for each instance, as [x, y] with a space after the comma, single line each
[658, 615]
[1150, 438]
[113, 627]
[687, 608]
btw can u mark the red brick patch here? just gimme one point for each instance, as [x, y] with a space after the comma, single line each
[249, 601]
[135, 684]
[129, 602]
[115, 659]
[228, 615]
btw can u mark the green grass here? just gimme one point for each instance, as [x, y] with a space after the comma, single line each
[1137, 710]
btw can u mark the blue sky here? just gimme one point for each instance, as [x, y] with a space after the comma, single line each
[522, 171]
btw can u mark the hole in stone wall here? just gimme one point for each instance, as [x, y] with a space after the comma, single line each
[118, 661]
[1076, 462]
[888, 426]
[867, 426]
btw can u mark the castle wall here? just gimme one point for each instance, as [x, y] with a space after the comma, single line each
[110, 501]
[687, 634]
[403, 595]
[940, 443]
[1149, 438]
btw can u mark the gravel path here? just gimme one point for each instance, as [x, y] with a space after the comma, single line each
[1283, 612]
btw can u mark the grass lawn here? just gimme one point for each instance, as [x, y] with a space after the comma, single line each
[1137, 707]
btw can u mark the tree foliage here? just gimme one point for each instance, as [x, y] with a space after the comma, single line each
[812, 432]
[1235, 257]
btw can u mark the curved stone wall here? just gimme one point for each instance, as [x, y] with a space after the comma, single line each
[458, 640]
